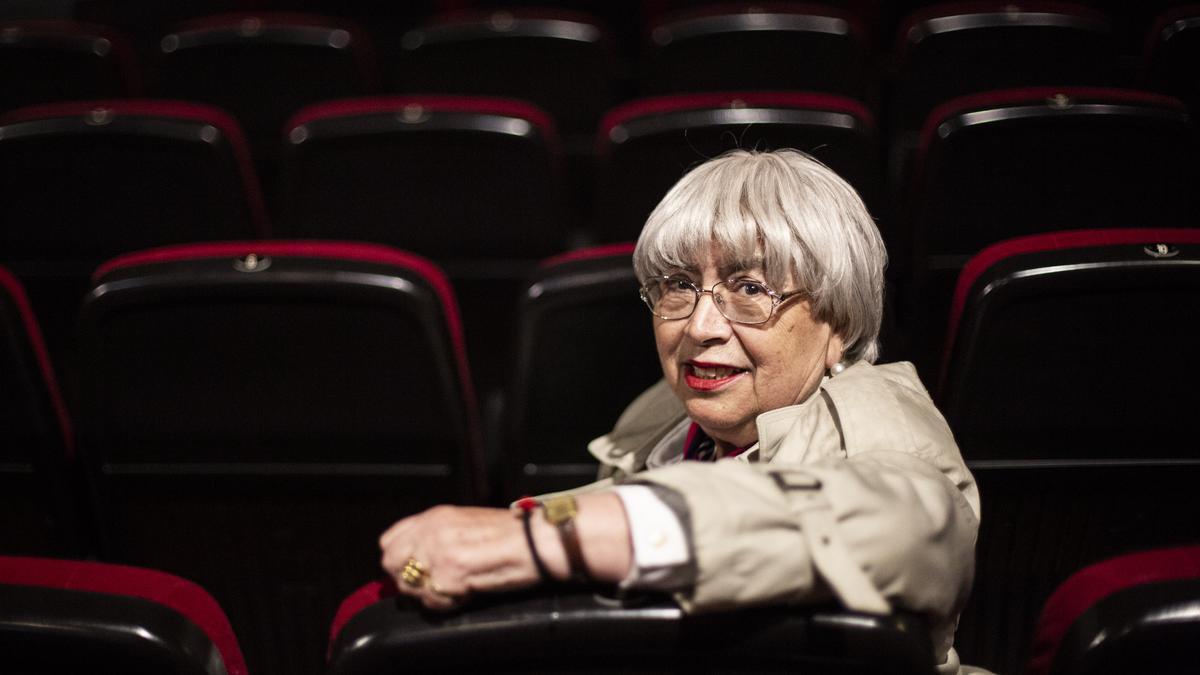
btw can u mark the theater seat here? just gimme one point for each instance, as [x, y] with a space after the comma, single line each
[560, 61]
[578, 632]
[951, 49]
[584, 351]
[451, 178]
[83, 181]
[67, 616]
[644, 146]
[263, 67]
[36, 441]
[1171, 52]
[757, 46]
[1068, 384]
[1008, 163]
[44, 61]
[1139, 613]
[255, 414]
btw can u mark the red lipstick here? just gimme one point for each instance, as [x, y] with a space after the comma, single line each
[703, 376]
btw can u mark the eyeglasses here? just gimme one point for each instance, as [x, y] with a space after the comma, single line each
[739, 300]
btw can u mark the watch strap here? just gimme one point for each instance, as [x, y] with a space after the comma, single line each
[560, 512]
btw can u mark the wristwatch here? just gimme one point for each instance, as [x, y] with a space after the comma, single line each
[560, 512]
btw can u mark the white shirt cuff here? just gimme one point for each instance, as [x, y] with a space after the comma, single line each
[660, 548]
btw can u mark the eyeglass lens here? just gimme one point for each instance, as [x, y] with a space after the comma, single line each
[741, 300]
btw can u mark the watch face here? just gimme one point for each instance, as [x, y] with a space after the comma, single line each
[559, 509]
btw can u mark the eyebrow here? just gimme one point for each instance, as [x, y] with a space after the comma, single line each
[729, 269]
[726, 269]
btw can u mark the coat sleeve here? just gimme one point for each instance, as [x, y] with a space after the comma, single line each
[770, 533]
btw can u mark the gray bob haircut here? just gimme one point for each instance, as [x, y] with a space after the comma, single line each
[808, 226]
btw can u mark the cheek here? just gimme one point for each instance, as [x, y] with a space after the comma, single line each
[666, 341]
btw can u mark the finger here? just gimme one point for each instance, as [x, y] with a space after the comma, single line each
[436, 597]
[394, 531]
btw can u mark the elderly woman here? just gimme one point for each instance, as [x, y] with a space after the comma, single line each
[773, 463]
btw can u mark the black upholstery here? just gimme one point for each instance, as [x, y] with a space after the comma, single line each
[1069, 389]
[44, 61]
[757, 46]
[580, 633]
[1172, 51]
[1138, 612]
[949, 50]
[1152, 628]
[61, 617]
[1014, 162]
[450, 178]
[560, 61]
[254, 423]
[262, 67]
[647, 145]
[86, 180]
[585, 350]
[36, 516]
[1073, 347]
[82, 181]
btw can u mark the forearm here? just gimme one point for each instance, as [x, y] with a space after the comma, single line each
[603, 531]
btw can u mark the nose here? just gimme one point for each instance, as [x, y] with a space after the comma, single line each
[707, 323]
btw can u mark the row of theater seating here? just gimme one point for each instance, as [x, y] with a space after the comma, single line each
[263, 64]
[471, 177]
[1139, 613]
[476, 184]
[251, 415]
[264, 68]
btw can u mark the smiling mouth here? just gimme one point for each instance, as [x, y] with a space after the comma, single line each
[707, 377]
[713, 372]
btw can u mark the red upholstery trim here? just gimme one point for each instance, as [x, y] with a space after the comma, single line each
[182, 595]
[365, 596]
[373, 105]
[328, 250]
[803, 8]
[180, 110]
[590, 253]
[1037, 243]
[122, 50]
[1092, 584]
[1000, 98]
[34, 334]
[992, 7]
[760, 99]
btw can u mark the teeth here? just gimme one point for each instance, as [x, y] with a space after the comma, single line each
[713, 373]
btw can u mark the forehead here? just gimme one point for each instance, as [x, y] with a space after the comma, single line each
[714, 258]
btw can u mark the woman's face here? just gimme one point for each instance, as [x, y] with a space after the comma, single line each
[725, 373]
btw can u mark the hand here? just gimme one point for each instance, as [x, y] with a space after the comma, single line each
[461, 550]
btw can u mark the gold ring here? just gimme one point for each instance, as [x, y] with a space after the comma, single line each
[414, 573]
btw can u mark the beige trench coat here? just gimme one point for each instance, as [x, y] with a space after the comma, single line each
[859, 493]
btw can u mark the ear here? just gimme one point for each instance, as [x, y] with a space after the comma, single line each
[834, 350]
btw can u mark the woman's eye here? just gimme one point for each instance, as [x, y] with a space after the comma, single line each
[748, 287]
[679, 285]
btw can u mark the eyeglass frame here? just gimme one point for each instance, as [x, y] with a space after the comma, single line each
[777, 299]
